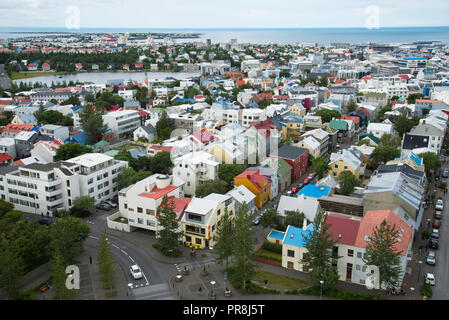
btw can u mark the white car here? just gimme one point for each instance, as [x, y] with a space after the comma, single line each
[439, 205]
[136, 272]
[112, 204]
[430, 279]
[435, 233]
[431, 258]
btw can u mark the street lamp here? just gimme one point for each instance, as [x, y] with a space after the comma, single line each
[213, 286]
[419, 274]
[321, 289]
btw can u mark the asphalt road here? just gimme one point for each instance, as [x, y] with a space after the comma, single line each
[4, 78]
[127, 254]
[441, 268]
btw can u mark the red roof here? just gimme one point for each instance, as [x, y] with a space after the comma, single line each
[240, 82]
[4, 157]
[17, 127]
[374, 218]
[264, 127]
[254, 176]
[353, 118]
[156, 193]
[364, 111]
[180, 204]
[344, 229]
[161, 148]
[204, 136]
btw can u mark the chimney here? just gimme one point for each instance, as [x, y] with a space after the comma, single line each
[304, 224]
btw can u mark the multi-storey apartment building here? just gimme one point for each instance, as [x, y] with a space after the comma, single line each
[45, 188]
[122, 122]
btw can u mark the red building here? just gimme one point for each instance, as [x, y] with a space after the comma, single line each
[296, 157]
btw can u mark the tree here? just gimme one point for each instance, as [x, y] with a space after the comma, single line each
[411, 99]
[72, 100]
[327, 115]
[403, 125]
[71, 150]
[224, 239]
[5, 207]
[7, 118]
[227, 172]
[323, 82]
[129, 176]
[320, 254]
[351, 106]
[168, 235]
[243, 246]
[92, 123]
[321, 166]
[383, 154]
[211, 186]
[67, 237]
[294, 218]
[11, 269]
[106, 263]
[347, 182]
[161, 162]
[431, 161]
[390, 140]
[81, 206]
[58, 267]
[163, 126]
[270, 217]
[381, 251]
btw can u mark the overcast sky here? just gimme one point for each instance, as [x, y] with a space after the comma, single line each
[223, 14]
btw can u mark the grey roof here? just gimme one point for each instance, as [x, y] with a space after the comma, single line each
[427, 129]
[7, 169]
[412, 141]
[404, 168]
[149, 129]
[48, 166]
[290, 152]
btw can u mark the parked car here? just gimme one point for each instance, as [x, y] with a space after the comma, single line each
[444, 181]
[435, 234]
[112, 204]
[439, 205]
[256, 221]
[103, 206]
[445, 173]
[45, 221]
[438, 214]
[295, 189]
[306, 181]
[430, 279]
[431, 258]
[436, 224]
[433, 243]
[300, 186]
[135, 272]
[314, 174]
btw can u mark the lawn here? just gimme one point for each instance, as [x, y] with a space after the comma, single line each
[278, 280]
[26, 75]
[269, 255]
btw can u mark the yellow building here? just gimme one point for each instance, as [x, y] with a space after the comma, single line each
[227, 152]
[292, 125]
[297, 110]
[348, 160]
[257, 183]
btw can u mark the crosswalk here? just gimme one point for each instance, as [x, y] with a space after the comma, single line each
[159, 291]
[194, 264]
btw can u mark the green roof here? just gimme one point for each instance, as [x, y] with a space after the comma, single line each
[102, 143]
[279, 165]
[364, 135]
[112, 153]
[338, 124]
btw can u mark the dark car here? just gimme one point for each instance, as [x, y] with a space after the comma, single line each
[433, 243]
[445, 173]
[306, 181]
[300, 186]
[436, 224]
[103, 206]
[45, 221]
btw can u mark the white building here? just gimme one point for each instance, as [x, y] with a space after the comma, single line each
[379, 129]
[55, 132]
[122, 122]
[195, 168]
[45, 188]
[8, 146]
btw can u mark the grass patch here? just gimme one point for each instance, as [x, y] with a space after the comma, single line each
[26, 75]
[269, 255]
[121, 220]
[174, 254]
[278, 280]
[339, 294]
[110, 294]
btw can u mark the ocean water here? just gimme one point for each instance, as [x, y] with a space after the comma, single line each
[281, 36]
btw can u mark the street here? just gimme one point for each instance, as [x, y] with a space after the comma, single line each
[5, 83]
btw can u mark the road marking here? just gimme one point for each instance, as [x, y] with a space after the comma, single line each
[94, 237]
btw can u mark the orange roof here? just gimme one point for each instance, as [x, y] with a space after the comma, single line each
[4, 157]
[180, 204]
[374, 218]
[17, 127]
[156, 193]
[254, 177]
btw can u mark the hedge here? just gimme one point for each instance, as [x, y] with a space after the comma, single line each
[339, 294]
[426, 290]
[273, 247]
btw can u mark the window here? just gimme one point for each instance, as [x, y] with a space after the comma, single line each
[290, 253]
[290, 264]
[140, 220]
[151, 223]
[359, 255]
[358, 267]
[68, 183]
[198, 241]
[99, 178]
[105, 175]
[91, 190]
[350, 253]
[139, 210]
[126, 206]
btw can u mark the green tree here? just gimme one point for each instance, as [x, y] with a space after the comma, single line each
[243, 246]
[294, 218]
[224, 239]
[211, 186]
[11, 269]
[163, 126]
[71, 150]
[411, 99]
[351, 106]
[92, 123]
[67, 237]
[321, 166]
[7, 118]
[129, 176]
[319, 253]
[347, 181]
[106, 263]
[5, 207]
[383, 154]
[323, 82]
[327, 115]
[72, 100]
[381, 251]
[161, 162]
[390, 140]
[404, 125]
[58, 267]
[270, 217]
[81, 206]
[431, 161]
[227, 172]
[168, 235]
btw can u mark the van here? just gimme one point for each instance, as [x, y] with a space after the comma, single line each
[438, 214]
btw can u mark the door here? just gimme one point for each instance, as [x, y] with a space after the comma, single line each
[348, 271]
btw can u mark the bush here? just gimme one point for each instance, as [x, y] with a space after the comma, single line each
[269, 255]
[110, 294]
[426, 290]
[425, 235]
[27, 295]
[165, 252]
[291, 291]
[339, 294]
[442, 186]
[273, 247]
[251, 287]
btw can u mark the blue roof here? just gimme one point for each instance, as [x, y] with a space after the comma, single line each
[311, 190]
[185, 100]
[76, 108]
[296, 236]
[80, 138]
[36, 128]
[414, 157]
[276, 235]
